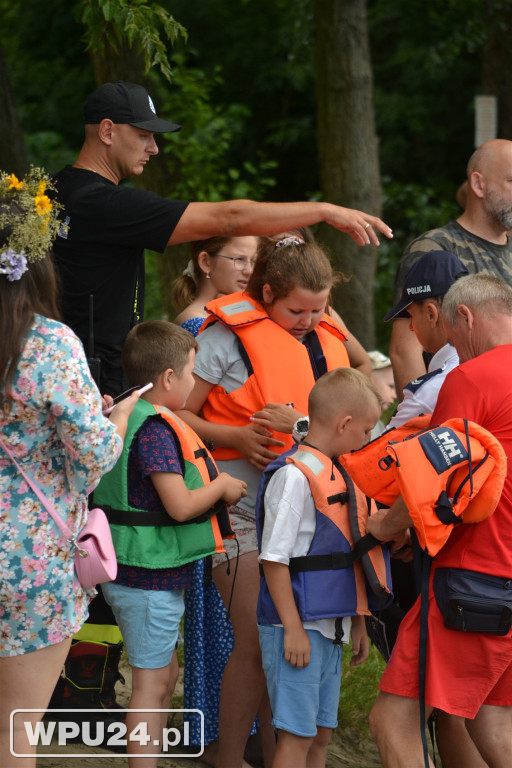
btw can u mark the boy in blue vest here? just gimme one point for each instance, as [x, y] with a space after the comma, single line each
[297, 612]
[164, 476]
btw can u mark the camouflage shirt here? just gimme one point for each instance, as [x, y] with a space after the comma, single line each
[474, 252]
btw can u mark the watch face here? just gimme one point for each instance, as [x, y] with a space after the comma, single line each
[301, 426]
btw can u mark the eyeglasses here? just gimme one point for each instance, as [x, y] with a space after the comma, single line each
[239, 262]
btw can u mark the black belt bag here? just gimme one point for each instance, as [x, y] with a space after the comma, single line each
[474, 602]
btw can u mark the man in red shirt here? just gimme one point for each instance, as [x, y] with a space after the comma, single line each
[469, 675]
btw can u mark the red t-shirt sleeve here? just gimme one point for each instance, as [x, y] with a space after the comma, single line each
[457, 399]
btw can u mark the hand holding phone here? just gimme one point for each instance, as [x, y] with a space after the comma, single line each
[127, 393]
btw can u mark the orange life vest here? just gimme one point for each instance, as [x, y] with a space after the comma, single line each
[446, 475]
[279, 365]
[153, 539]
[349, 511]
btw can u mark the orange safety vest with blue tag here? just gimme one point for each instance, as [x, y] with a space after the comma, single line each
[154, 539]
[345, 572]
[449, 474]
[281, 368]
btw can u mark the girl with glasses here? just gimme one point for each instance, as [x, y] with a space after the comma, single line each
[218, 266]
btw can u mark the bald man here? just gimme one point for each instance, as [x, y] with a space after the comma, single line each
[478, 237]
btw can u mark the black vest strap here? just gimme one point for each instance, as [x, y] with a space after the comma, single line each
[444, 510]
[334, 560]
[342, 498]
[245, 357]
[316, 354]
[338, 631]
[337, 560]
[146, 519]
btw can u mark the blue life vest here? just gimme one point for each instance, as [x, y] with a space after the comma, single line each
[345, 572]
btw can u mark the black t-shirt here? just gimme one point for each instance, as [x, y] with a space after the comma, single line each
[103, 255]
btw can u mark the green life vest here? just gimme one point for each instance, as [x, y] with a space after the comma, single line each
[153, 539]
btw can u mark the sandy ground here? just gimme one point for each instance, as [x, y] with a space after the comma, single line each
[345, 750]
[340, 756]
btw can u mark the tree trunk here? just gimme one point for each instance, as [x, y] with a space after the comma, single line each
[13, 154]
[497, 64]
[348, 150]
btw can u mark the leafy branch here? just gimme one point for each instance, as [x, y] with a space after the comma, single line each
[147, 27]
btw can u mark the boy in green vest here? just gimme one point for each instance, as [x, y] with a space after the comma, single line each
[164, 479]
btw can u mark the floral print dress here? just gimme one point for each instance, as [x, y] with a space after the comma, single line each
[57, 433]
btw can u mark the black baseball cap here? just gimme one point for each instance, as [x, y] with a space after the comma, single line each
[429, 277]
[125, 103]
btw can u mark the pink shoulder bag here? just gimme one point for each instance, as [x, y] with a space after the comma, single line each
[95, 557]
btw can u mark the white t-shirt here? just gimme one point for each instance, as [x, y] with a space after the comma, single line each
[290, 523]
[420, 395]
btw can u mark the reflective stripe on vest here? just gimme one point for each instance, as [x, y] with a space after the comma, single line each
[282, 371]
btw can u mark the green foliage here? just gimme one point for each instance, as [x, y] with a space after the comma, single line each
[427, 69]
[48, 149]
[410, 209]
[50, 76]
[116, 22]
[359, 689]
[199, 157]
[244, 91]
[265, 52]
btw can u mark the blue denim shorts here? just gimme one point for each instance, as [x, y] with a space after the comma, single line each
[149, 621]
[302, 699]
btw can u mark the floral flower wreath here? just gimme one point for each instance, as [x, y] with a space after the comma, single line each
[33, 221]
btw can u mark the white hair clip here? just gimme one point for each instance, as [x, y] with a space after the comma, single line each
[290, 240]
[189, 271]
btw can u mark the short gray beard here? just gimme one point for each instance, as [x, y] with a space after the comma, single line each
[495, 208]
[504, 217]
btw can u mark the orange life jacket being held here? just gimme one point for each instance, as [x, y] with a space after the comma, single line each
[449, 474]
[363, 464]
[279, 365]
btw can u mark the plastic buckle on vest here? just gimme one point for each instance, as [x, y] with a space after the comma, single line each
[340, 498]
[385, 463]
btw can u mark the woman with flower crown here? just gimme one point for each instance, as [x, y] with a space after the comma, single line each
[51, 421]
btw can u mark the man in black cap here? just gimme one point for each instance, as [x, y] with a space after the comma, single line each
[100, 256]
[101, 253]
[478, 237]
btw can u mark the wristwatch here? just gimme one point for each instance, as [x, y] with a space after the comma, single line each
[300, 429]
